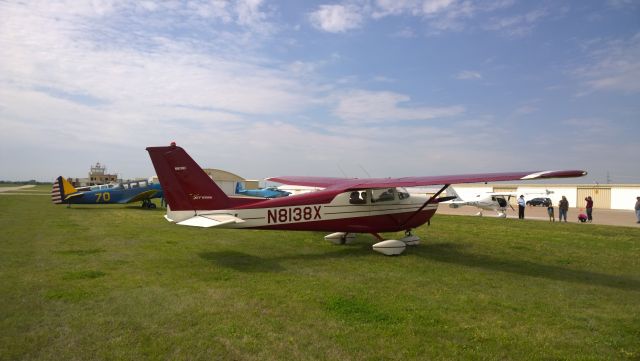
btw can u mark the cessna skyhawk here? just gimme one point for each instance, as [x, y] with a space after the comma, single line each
[345, 206]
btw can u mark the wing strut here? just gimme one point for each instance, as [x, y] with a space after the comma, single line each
[430, 200]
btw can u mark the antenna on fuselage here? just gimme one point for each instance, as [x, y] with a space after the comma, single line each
[364, 170]
[342, 171]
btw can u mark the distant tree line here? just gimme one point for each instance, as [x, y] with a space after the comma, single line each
[32, 181]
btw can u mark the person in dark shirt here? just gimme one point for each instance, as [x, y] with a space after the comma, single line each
[563, 207]
[589, 208]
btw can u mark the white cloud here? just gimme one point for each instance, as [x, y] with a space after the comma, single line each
[45, 51]
[525, 109]
[518, 25]
[371, 107]
[468, 75]
[439, 15]
[612, 66]
[336, 18]
[384, 8]
[434, 6]
[622, 3]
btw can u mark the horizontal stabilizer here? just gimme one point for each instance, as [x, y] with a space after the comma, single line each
[210, 220]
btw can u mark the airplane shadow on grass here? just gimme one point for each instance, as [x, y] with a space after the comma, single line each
[451, 253]
[244, 262]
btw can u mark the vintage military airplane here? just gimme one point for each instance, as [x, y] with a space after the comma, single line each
[345, 206]
[268, 192]
[145, 190]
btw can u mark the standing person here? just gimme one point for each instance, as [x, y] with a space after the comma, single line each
[638, 209]
[563, 207]
[589, 208]
[552, 217]
[521, 205]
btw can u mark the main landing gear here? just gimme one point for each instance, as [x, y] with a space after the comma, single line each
[340, 237]
[389, 247]
[148, 204]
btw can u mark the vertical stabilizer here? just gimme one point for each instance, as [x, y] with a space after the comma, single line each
[61, 189]
[185, 185]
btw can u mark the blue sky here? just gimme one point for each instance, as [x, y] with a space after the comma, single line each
[267, 88]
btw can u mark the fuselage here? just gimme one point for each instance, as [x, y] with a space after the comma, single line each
[371, 211]
[110, 193]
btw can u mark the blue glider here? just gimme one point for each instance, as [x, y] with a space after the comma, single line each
[64, 192]
[269, 192]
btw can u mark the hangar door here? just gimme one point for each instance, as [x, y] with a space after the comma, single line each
[513, 200]
[601, 197]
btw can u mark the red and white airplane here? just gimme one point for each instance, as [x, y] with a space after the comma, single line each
[346, 206]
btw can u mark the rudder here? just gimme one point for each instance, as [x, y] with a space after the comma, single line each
[61, 188]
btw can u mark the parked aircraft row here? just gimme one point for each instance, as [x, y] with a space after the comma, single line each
[344, 206]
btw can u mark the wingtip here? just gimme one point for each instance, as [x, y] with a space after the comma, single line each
[556, 174]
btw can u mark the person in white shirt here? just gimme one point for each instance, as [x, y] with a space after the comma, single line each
[521, 205]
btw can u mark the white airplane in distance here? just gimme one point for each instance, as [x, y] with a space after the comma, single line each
[489, 201]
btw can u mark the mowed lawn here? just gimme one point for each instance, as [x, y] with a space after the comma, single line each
[121, 283]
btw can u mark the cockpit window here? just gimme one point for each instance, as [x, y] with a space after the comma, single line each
[358, 197]
[383, 195]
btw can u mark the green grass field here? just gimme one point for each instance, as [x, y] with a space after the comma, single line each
[121, 283]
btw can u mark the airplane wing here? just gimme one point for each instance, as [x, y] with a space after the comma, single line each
[355, 183]
[210, 220]
[141, 196]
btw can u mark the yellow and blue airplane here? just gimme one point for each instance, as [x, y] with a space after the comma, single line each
[64, 192]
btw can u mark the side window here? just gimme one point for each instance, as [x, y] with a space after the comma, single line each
[125, 186]
[143, 184]
[383, 195]
[358, 197]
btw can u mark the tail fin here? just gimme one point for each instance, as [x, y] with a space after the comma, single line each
[61, 189]
[185, 185]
